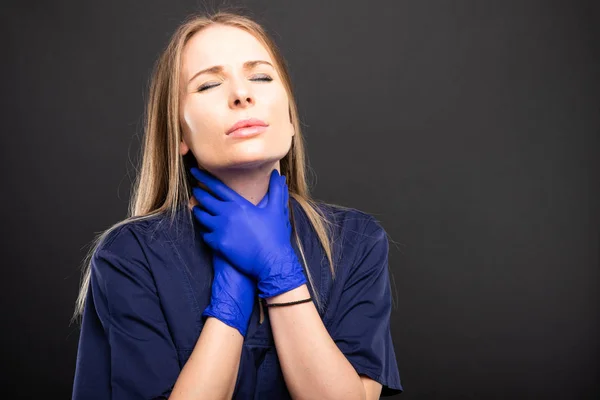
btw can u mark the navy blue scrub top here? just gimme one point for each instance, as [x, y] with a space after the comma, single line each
[150, 282]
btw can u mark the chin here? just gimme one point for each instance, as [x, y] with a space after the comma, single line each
[249, 160]
[255, 153]
[247, 154]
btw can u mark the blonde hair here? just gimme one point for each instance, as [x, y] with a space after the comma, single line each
[161, 185]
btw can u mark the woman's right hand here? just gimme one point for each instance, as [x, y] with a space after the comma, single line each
[232, 295]
[256, 240]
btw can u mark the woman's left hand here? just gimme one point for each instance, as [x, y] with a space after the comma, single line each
[254, 239]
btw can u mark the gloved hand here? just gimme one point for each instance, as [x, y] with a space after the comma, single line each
[255, 240]
[232, 296]
[233, 293]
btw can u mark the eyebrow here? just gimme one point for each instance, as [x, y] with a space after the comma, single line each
[219, 68]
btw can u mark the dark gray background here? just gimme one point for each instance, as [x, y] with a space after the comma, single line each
[470, 129]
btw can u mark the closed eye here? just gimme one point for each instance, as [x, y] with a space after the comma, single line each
[260, 78]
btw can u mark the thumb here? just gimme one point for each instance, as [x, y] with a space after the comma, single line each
[264, 201]
[274, 191]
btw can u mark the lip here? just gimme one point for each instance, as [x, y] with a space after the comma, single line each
[244, 123]
[247, 131]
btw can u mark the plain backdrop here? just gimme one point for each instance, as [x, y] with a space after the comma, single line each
[469, 129]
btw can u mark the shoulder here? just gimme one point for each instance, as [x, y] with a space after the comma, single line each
[361, 269]
[363, 244]
[130, 233]
[355, 226]
[143, 231]
[355, 236]
[139, 240]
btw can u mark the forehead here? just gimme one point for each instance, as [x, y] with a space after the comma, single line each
[221, 45]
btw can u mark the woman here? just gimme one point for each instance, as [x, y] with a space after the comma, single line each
[228, 280]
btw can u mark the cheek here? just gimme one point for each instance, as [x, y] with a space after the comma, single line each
[204, 121]
[201, 129]
[194, 118]
[279, 109]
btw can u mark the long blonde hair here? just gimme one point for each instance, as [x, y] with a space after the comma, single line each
[161, 185]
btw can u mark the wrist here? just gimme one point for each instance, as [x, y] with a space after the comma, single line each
[281, 275]
[227, 314]
[299, 293]
[280, 284]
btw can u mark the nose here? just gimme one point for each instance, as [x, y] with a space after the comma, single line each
[241, 94]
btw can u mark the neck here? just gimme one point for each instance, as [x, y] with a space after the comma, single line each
[250, 183]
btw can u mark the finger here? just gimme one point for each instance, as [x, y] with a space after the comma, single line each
[208, 221]
[283, 190]
[264, 201]
[286, 197]
[221, 190]
[275, 191]
[210, 239]
[207, 201]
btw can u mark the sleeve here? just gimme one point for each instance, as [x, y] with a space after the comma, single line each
[125, 349]
[360, 324]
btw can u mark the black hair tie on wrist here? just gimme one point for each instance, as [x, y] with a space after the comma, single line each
[286, 304]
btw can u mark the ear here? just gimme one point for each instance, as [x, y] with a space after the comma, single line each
[183, 148]
[290, 114]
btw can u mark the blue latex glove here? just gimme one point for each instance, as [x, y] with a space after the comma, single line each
[232, 298]
[232, 293]
[255, 240]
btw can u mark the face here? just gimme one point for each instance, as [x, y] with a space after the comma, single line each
[238, 88]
